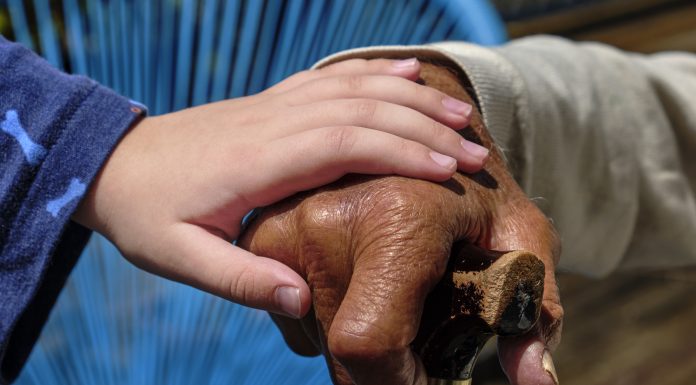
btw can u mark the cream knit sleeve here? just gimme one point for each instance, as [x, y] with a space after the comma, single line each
[602, 140]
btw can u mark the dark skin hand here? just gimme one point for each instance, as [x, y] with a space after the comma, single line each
[371, 248]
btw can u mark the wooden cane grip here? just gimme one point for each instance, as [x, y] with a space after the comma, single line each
[510, 289]
[482, 293]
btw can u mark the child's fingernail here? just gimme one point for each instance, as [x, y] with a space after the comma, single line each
[474, 149]
[444, 161]
[547, 363]
[406, 63]
[457, 106]
[288, 298]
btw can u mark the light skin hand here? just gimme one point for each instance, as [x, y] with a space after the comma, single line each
[172, 195]
[372, 248]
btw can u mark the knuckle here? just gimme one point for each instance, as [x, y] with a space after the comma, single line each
[555, 309]
[552, 323]
[398, 193]
[554, 240]
[348, 347]
[434, 95]
[365, 110]
[302, 76]
[403, 208]
[240, 284]
[351, 83]
[438, 131]
[341, 140]
[405, 147]
[326, 219]
[546, 233]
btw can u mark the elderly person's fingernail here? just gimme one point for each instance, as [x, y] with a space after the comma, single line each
[288, 298]
[547, 363]
[457, 107]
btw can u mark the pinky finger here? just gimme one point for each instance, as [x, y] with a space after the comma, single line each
[316, 157]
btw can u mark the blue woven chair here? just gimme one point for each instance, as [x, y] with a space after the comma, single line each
[114, 324]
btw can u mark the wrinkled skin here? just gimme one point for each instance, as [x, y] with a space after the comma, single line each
[371, 248]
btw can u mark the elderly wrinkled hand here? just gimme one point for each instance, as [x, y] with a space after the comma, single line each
[371, 248]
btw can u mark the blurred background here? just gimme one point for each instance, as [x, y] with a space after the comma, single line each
[632, 327]
[114, 324]
[636, 25]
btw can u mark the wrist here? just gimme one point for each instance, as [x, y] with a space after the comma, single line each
[93, 211]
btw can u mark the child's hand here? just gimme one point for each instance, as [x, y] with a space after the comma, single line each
[174, 191]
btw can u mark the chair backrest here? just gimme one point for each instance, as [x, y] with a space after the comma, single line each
[170, 54]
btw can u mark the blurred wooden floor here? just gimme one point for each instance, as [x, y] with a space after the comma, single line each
[635, 25]
[630, 328]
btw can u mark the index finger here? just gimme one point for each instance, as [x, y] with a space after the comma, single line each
[371, 333]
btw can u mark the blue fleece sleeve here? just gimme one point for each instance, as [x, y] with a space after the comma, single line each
[56, 131]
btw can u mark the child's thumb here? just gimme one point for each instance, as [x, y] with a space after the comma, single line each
[212, 264]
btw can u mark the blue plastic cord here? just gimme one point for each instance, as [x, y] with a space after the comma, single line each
[305, 36]
[348, 26]
[426, 23]
[99, 24]
[479, 19]
[288, 29]
[443, 27]
[19, 23]
[264, 46]
[125, 52]
[368, 21]
[114, 31]
[187, 22]
[50, 47]
[247, 42]
[225, 49]
[330, 33]
[204, 55]
[75, 34]
[136, 81]
[146, 46]
[165, 59]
